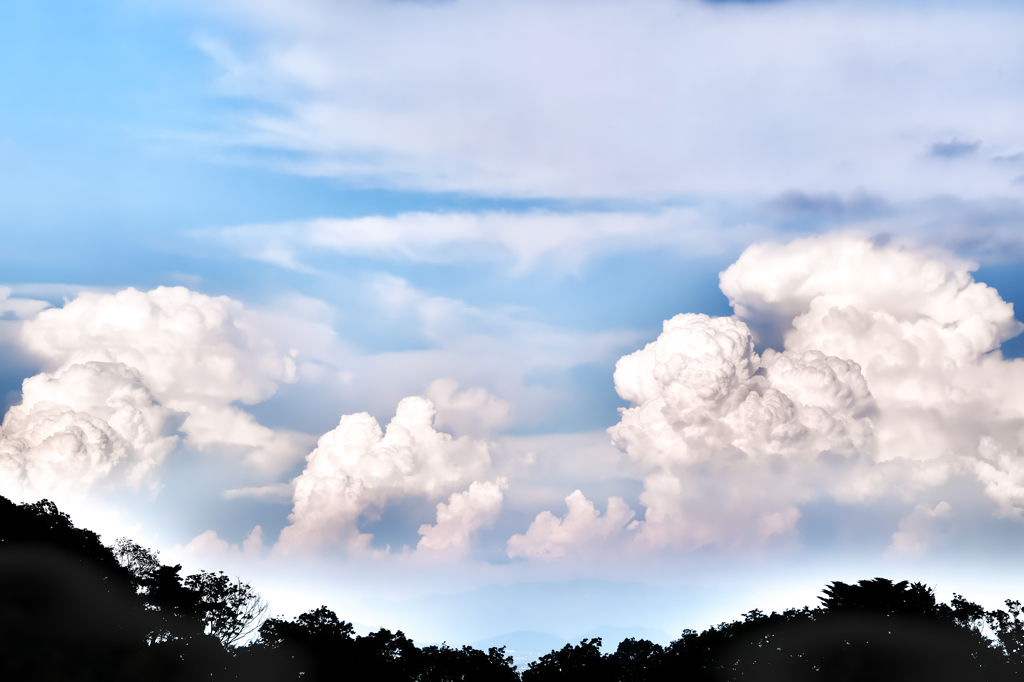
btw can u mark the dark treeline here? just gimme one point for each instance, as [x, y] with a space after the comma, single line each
[72, 608]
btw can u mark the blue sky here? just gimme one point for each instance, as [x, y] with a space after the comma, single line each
[482, 208]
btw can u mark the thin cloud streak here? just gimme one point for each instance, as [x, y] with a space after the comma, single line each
[563, 241]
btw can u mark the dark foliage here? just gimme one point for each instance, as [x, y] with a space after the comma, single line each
[316, 645]
[573, 663]
[74, 609]
[872, 630]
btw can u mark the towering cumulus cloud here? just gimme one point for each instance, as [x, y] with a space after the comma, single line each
[923, 331]
[357, 469]
[889, 382]
[129, 372]
[84, 424]
[733, 440]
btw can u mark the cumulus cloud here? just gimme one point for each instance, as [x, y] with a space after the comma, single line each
[583, 527]
[85, 424]
[724, 431]
[889, 382]
[185, 344]
[197, 354]
[357, 469]
[472, 411]
[211, 546]
[1000, 468]
[465, 513]
[917, 530]
[131, 375]
[925, 334]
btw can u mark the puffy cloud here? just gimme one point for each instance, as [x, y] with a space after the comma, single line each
[86, 424]
[925, 334]
[465, 513]
[550, 537]
[890, 383]
[707, 408]
[196, 354]
[917, 529]
[701, 390]
[357, 468]
[918, 304]
[1001, 470]
[186, 345]
[210, 545]
[468, 411]
[129, 373]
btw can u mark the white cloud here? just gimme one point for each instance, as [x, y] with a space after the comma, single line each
[186, 345]
[550, 537]
[465, 513]
[727, 434]
[88, 424]
[559, 241]
[931, 294]
[209, 545]
[917, 530]
[1001, 470]
[472, 411]
[356, 468]
[642, 98]
[890, 384]
[922, 330]
[278, 491]
[18, 307]
[196, 354]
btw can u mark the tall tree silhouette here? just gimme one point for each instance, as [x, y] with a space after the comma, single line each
[581, 663]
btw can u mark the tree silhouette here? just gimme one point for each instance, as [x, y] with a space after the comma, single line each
[230, 610]
[67, 608]
[446, 664]
[1008, 627]
[636, 660]
[308, 647]
[73, 609]
[583, 662]
[870, 630]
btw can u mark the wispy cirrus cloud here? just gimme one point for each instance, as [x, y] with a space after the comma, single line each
[563, 242]
[657, 98]
[522, 240]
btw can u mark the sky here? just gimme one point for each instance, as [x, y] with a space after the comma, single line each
[518, 322]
